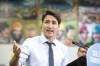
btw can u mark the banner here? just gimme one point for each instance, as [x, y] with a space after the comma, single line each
[93, 55]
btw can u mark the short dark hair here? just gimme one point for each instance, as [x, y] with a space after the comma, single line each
[83, 46]
[53, 14]
[3, 25]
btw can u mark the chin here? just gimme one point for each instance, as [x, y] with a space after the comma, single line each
[49, 36]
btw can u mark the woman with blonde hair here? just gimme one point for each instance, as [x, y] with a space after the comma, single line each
[30, 31]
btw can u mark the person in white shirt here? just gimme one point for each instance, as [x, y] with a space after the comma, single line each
[35, 51]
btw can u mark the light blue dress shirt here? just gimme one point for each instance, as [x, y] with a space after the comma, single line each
[34, 52]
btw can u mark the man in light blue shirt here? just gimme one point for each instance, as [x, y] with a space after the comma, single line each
[35, 51]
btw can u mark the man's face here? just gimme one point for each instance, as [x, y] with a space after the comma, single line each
[82, 52]
[50, 26]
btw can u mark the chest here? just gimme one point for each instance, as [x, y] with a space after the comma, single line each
[40, 54]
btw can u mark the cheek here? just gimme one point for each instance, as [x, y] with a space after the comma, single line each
[80, 54]
[56, 28]
[56, 31]
[43, 29]
[85, 35]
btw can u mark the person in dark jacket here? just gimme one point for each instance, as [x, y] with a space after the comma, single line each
[81, 60]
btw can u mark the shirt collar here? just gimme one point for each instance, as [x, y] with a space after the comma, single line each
[43, 39]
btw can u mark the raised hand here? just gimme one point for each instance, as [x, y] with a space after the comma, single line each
[16, 49]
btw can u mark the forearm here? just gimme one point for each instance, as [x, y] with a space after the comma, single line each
[14, 61]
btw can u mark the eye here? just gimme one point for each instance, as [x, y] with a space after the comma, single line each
[54, 22]
[47, 21]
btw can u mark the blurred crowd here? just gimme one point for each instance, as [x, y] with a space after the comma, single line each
[14, 32]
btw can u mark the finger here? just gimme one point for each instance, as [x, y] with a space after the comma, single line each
[15, 47]
[19, 50]
[15, 43]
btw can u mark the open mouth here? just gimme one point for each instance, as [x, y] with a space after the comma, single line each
[50, 31]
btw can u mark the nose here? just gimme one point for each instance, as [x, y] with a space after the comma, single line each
[50, 25]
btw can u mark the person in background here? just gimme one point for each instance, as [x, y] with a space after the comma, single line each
[70, 34]
[16, 32]
[60, 35]
[83, 35]
[4, 33]
[95, 32]
[95, 35]
[81, 60]
[30, 31]
[43, 50]
[82, 51]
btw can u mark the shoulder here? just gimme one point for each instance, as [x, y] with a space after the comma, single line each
[61, 45]
[32, 40]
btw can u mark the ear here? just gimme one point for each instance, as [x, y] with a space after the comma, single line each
[41, 25]
[58, 26]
